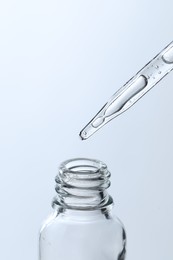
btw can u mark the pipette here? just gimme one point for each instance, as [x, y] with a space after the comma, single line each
[132, 91]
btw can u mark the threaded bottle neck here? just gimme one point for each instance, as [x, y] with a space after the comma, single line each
[81, 184]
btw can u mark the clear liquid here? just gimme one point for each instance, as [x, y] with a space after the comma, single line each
[168, 56]
[132, 91]
[134, 88]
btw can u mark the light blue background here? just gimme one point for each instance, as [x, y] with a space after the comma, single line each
[59, 63]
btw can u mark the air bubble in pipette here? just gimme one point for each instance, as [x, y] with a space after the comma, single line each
[139, 84]
[133, 89]
[168, 56]
[98, 121]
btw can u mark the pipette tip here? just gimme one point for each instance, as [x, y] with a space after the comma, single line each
[81, 137]
[87, 131]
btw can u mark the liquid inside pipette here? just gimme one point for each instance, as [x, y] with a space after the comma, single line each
[132, 91]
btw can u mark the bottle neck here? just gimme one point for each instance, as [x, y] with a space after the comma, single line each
[81, 184]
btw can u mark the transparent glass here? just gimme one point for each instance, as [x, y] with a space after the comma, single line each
[82, 226]
[132, 91]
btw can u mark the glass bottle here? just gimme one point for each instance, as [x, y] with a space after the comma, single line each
[82, 226]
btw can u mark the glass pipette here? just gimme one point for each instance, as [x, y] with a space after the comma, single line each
[132, 91]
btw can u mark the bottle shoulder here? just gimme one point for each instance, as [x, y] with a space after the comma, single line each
[102, 230]
[58, 219]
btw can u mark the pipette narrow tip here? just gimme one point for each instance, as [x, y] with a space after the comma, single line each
[87, 131]
[81, 135]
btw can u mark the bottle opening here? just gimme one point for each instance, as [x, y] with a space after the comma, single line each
[83, 166]
[81, 184]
